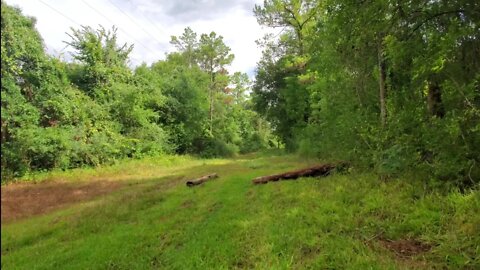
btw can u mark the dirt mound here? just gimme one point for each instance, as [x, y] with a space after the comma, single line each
[24, 200]
[406, 248]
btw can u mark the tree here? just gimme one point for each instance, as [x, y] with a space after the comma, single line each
[295, 14]
[104, 60]
[184, 113]
[241, 83]
[188, 44]
[213, 56]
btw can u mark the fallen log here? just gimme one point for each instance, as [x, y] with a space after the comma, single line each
[318, 170]
[201, 180]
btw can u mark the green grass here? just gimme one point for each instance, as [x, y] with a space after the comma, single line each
[228, 223]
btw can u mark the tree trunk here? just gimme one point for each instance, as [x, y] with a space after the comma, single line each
[319, 170]
[201, 180]
[382, 85]
[211, 101]
[300, 41]
[434, 99]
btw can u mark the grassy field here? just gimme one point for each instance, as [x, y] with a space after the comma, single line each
[153, 221]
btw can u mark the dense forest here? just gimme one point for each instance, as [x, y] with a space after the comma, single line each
[388, 86]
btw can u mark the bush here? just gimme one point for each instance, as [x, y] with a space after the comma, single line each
[252, 144]
[211, 147]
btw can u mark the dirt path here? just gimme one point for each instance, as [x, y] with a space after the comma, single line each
[25, 200]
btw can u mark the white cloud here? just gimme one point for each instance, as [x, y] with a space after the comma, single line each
[149, 24]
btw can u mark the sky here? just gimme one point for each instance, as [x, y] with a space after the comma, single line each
[149, 24]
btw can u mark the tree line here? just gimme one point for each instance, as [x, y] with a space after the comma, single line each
[95, 109]
[392, 86]
[389, 86]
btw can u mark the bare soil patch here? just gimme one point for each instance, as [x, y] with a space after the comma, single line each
[405, 248]
[25, 200]
[404, 251]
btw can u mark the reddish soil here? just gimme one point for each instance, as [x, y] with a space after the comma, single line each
[406, 248]
[25, 200]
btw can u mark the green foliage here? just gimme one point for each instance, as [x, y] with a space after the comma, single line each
[206, 108]
[209, 147]
[104, 61]
[332, 69]
[96, 110]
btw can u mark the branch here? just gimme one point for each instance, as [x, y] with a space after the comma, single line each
[306, 20]
[293, 15]
[433, 17]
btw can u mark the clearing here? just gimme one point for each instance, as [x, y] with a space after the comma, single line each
[140, 215]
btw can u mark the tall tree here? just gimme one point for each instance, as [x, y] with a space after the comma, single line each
[213, 56]
[295, 14]
[188, 44]
[241, 83]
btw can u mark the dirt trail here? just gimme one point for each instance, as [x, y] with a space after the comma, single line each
[25, 200]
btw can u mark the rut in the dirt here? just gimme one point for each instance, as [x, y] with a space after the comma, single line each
[25, 200]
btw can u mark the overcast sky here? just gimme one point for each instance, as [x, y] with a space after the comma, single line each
[149, 24]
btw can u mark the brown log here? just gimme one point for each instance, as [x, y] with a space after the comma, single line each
[201, 180]
[318, 170]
